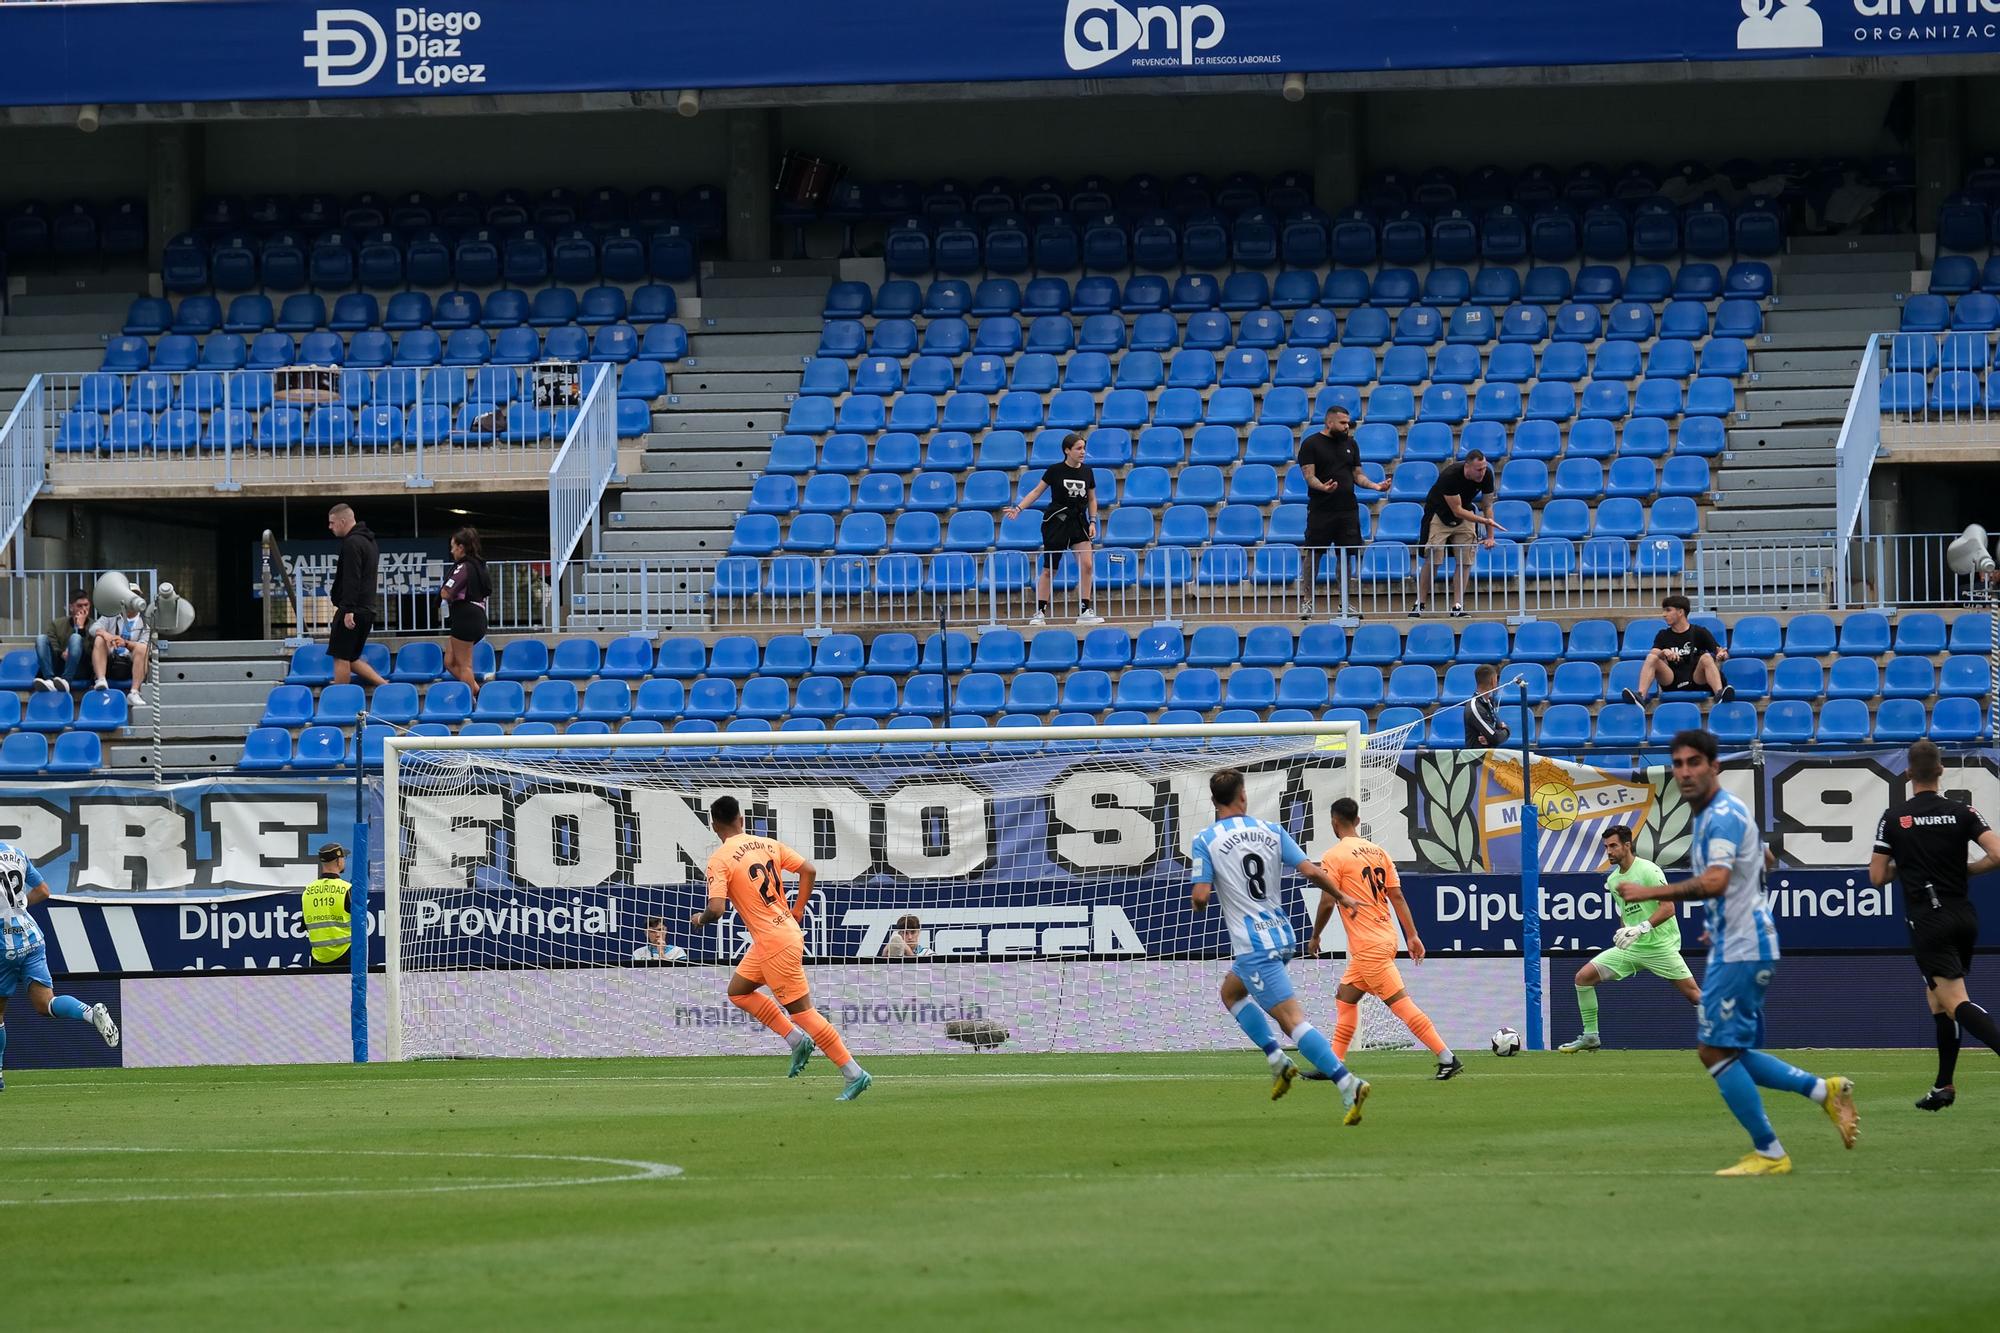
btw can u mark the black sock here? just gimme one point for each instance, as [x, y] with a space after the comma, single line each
[1087, 604]
[1947, 1044]
[1043, 607]
[1979, 1023]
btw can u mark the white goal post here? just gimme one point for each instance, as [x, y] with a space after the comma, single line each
[1020, 887]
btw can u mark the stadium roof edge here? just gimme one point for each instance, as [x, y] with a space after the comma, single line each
[721, 99]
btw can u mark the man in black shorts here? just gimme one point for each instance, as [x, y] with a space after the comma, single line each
[1921, 841]
[1685, 657]
[1330, 461]
[353, 596]
[1070, 525]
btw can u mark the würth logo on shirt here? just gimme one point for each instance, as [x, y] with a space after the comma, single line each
[1907, 822]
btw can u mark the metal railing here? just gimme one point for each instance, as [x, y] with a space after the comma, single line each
[520, 603]
[577, 478]
[1166, 584]
[31, 598]
[23, 470]
[1858, 446]
[1930, 385]
[225, 430]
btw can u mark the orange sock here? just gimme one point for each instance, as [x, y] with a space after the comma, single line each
[766, 1011]
[1346, 1018]
[1418, 1023]
[825, 1036]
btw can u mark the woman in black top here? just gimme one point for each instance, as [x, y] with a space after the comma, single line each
[463, 599]
[1070, 525]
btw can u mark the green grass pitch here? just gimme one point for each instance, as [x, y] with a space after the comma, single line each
[989, 1192]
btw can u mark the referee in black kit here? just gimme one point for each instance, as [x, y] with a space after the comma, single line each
[1921, 841]
[1330, 460]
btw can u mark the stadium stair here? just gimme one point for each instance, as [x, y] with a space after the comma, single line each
[759, 323]
[60, 324]
[212, 692]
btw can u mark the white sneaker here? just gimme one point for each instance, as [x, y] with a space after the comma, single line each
[136, 702]
[102, 684]
[60, 683]
[100, 1018]
[1090, 618]
[1037, 620]
[44, 683]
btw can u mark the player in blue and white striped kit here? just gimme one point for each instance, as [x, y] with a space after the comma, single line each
[1244, 860]
[1728, 860]
[23, 958]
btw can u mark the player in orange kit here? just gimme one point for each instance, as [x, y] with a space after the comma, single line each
[747, 872]
[1364, 872]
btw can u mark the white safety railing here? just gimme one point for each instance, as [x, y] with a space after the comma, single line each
[1859, 443]
[23, 469]
[520, 603]
[225, 430]
[577, 478]
[31, 598]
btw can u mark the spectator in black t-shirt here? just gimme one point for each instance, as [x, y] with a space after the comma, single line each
[1685, 657]
[1451, 526]
[1483, 726]
[1330, 461]
[1069, 525]
[1921, 842]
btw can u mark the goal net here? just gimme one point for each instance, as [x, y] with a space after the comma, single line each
[1024, 889]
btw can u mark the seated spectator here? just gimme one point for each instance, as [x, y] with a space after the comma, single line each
[119, 647]
[1483, 727]
[906, 941]
[62, 655]
[1685, 658]
[656, 949]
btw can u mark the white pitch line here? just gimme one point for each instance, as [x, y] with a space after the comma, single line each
[1285, 1177]
[637, 1170]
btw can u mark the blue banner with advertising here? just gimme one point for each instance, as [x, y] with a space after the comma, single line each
[222, 50]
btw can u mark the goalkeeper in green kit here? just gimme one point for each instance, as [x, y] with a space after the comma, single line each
[1649, 939]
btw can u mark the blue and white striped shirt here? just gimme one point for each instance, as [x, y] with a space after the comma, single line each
[1740, 929]
[1246, 860]
[18, 932]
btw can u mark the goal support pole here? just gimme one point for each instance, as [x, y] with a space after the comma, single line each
[1531, 885]
[357, 926]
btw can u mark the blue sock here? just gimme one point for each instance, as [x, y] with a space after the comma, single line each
[1314, 1046]
[1255, 1026]
[68, 1006]
[1768, 1071]
[3, 1044]
[1739, 1093]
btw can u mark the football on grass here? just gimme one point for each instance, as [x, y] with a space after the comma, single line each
[1506, 1041]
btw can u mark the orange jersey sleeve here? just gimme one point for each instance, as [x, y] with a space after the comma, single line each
[1364, 871]
[750, 872]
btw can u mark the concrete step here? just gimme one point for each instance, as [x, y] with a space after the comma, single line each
[122, 279]
[801, 287]
[763, 342]
[1884, 284]
[1728, 497]
[1812, 343]
[768, 401]
[179, 669]
[776, 379]
[111, 305]
[1765, 360]
[1772, 472]
[1855, 323]
[214, 650]
[72, 328]
[1782, 458]
[689, 543]
[770, 268]
[797, 319]
[177, 757]
[1753, 521]
[675, 520]
[68, 361]
[1817, 401]
[1840, 379]
[1773, 420]
[775, 363]
[642, 542]
[1810, 247]
[717, 423]
[1822, 436]
[1845, 298]
[731, 472]
[214, 719]
[695, 502]
[708, 441]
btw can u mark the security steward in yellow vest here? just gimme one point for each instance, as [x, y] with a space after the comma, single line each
[328, 903]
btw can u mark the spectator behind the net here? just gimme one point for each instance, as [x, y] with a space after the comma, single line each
[463, 600]
[1451, 525]
[1484, 728]
[906, 941]
[119, 648]
[62, 654]
[656, 949]
[1330, 461]
[354, 596]
[1685, 657]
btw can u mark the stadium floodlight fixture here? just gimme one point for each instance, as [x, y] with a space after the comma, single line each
[689, 102]
[1970, 552]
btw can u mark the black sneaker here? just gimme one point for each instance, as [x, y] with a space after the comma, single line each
[1937, 1099]
[1457, 610]
[1447, 1072]
[1727, 693]
[44, 683]
[1632, 697]
[1416, 610]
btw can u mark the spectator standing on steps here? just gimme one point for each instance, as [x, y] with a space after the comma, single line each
[1070, 525]
[354, 596]
[1451, 525]
[1331, 463]
[464, 596]
[62, 655]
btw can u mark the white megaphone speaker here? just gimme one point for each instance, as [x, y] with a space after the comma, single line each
[167, 615]
[1969, 553]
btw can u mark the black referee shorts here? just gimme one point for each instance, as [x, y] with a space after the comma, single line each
[1943, 937]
